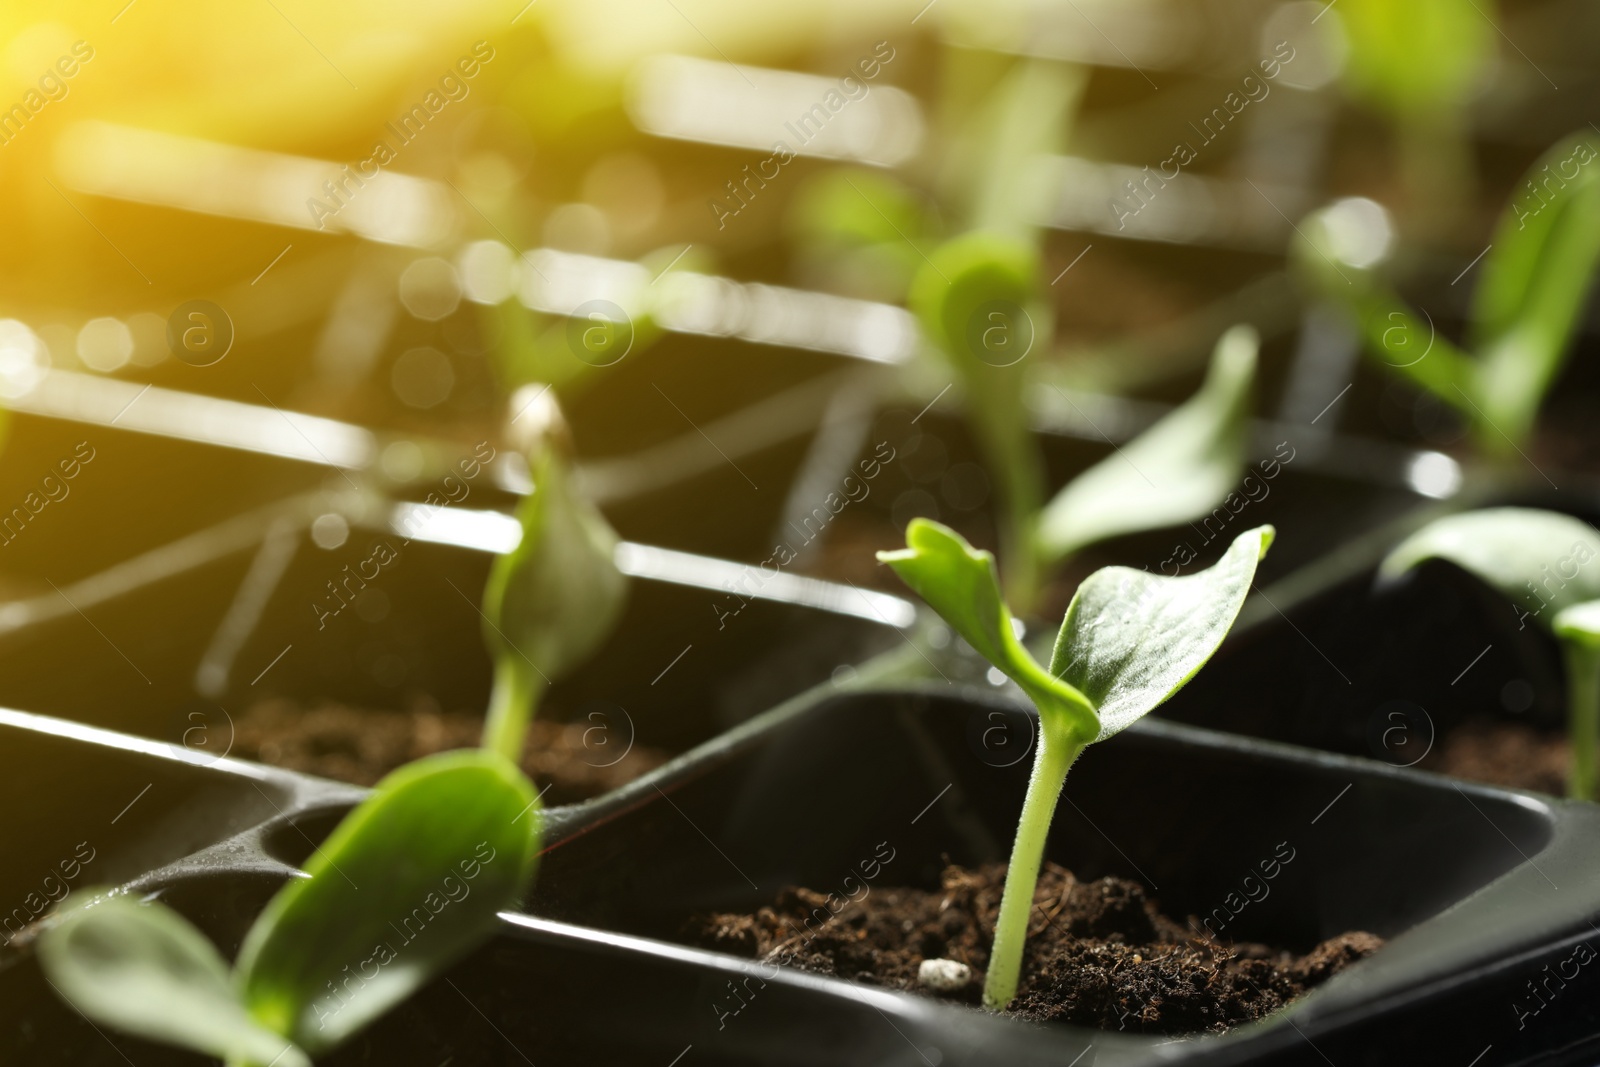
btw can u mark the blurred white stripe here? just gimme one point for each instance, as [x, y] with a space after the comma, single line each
[1186, 209]
[748, 580]
[188, 417]
[213, 178]
[714, 102]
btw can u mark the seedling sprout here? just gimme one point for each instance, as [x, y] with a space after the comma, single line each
[1541, 560]
[1130, 640]
[1535, 278]
[412, 878]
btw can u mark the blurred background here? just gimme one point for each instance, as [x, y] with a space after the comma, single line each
[275, 272]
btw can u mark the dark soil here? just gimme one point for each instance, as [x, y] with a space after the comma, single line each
[1099, 953]
[1504, 753]
[361, 745]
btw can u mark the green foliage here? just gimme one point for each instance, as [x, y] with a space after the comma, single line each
[409, 882]
[383, 891]
[1541, 561]
[974, 297]
[142, 969]
[1535, 279]
[861, 228]
[1174, 472]
[960, 583]
[1518, 551]
[1130, 640]
[1579, 624]
[554, 599]
[1419, 56]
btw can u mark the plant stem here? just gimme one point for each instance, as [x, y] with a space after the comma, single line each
[1583, 716]
[1057, 751]
[1020, 571]
[512, 701]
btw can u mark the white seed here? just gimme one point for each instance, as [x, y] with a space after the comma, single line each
[943, 976]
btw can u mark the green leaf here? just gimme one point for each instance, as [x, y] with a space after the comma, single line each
[1539, 559]
[953, 290]
[407, 884]
[1397, 338]
[974, 297]
[961, 585]
[1418, 56]
[1020, 126]
[1579, 623]
[1174, 472]
[144, 970]
[855, 208]
[1131, 638]
[553, 600]
[1536, 279]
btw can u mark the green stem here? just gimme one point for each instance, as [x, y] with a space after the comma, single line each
[1583, 716]
[1019, 557]
[517, 689]
[1057, 751]
[1012, 457]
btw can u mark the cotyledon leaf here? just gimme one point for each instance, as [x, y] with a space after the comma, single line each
[960, 583]
[144, 970]
[1536, 278]
[408, 883]
[1539, 559]
[553, 599]
[1174, 472]
[1131, 638]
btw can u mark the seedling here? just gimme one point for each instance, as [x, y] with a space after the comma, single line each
[1130, 640]
[554, 599]
[1420, 62]
[1542, 561]
[1534, 281]
[411, 879]
[408, 883]
[1177, 471]
[974, 297]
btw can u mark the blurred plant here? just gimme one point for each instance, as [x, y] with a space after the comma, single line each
[1420, 61]
[1513, 550]
[861, 230]
[320, 962]
[1176, 471]
[1003, 119]
[554, 599]
[408, 883]
[1130, 640]
[1535, 280]
[975, 300]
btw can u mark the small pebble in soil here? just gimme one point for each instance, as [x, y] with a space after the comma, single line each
[944, 976]
[1099, 953]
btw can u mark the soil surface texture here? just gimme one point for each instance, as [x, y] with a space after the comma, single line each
[1504, 753]
[1098, 954]
[361, 745]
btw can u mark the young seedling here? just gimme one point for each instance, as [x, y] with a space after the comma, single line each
[408, 883]
[1534, 281]
[1176, 471]
[1541, 561]
[1130, 640]
[974, 298]
[1420, 63]
[552, 600]
[411, 879]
